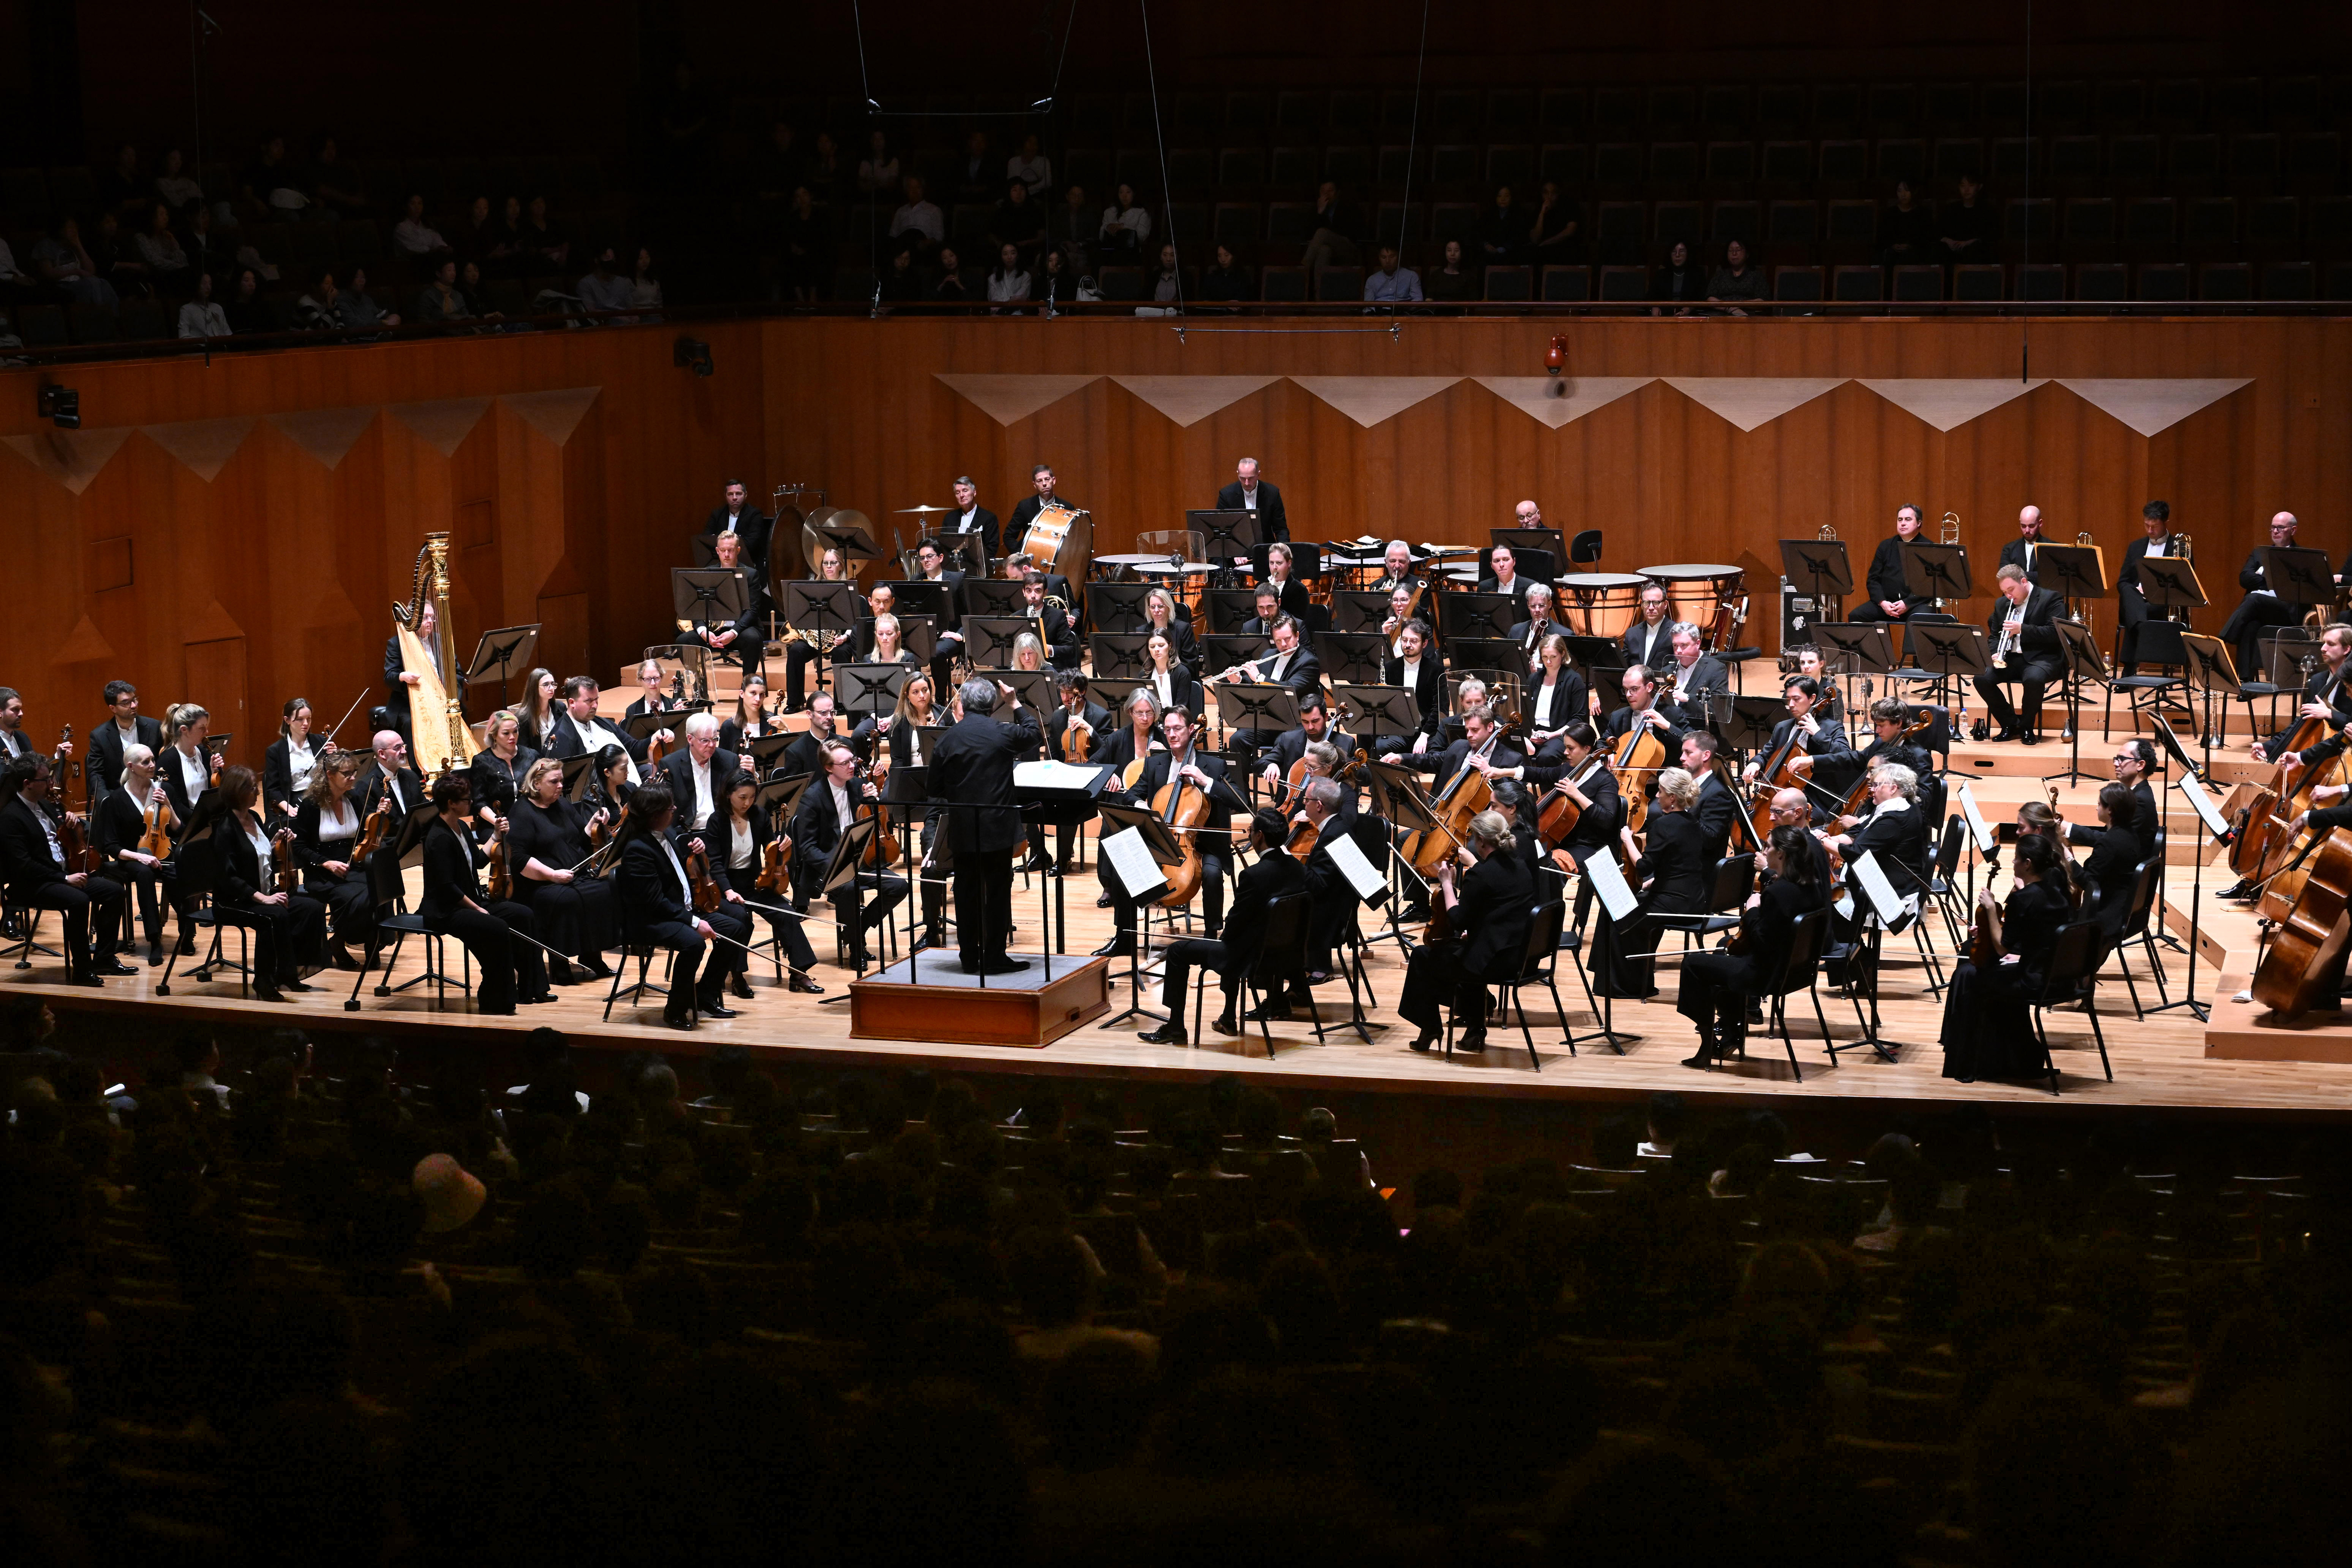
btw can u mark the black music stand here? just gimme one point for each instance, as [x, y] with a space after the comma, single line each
[1869, 645]
[1481, 616]
[1112, 692]
[815, 609]
[1376, 711]
[2190, 776]
[2072, 570]
[764, 749]
[2082, 664]
[1243, 706]
[1118, 606]
[645, 725]
[1119, 655]
[1531, 563]
[1747, 726]
[1164, 850]
[1220, 653]
[2211, 668]
[1051, 794]
[841, 872]
[1955, 649]
[781, 796]
[988, 639]
[908, 788]
[1354, 657]
[1033, 687]
[2168, 583]
[578, 772]
[1522, 540]
[1402, 800]
[1932, 572]
[713, 598]
[1226, 538]
[1362, 609]
[993, 596]
[1499, 656]
[501, 654]
[854, 542]
[1590, 654]
[1822, 563]
[869, 689]
[1230, 609]
[2299, 577]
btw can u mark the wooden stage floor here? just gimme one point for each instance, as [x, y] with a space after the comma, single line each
[2159, 1063]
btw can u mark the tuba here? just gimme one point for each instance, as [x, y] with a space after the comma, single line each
[443, 739]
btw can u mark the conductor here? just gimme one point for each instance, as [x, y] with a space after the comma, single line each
[971, 767]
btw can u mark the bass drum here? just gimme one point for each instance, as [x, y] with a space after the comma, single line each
[841, 517]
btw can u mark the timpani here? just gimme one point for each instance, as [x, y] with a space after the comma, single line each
[1600, 603]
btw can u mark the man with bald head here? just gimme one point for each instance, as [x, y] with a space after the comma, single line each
[392, 772]
[1248, 493]
[2020, 551]
[2264, 608]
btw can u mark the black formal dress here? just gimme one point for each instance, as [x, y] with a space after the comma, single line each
[117, 823]
[497, 781]
[1495, 902]
[32, 863]
[1271, 876]
[657, 907]
[971, 778]
[285, 935]
[1179, 689]
[319, 838]
[1716, 984]
[1273, 522]
[577, 918]
[1988, 1013]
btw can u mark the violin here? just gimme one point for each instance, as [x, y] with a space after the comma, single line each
[501, 875]
[1183, 806]
[156, 838]
[774, 860]
[707, 895]
[2304, 963]
[372, 832]
[881, 850]
[285, 874]
[1078, 738]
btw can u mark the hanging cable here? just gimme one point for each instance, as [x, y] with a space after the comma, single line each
[2025, 214]
[1413, 132]
[1160, 130]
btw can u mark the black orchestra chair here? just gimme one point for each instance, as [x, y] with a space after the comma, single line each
[2073, 957]
[1800, 972]
[1735, 878]
[1584, 549]
[1281, 955]
[636, 945]
[2141, 644]
[2137, 928]
[1541, 967]
[392, 918]
[199, 862]
[1945, 890]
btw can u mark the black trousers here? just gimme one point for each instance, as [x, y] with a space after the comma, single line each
[865, 902]
[1177, 973]
[983, 904]
[507, 961]
[702, 967]
[350, 907]
[283, 935]
[1213, 892]
[1868, 610]
[1717, 985]
[789, 927]
[2036, 675]
[798, 657]
[96, 896]
[154, 885]
[2255, 614]
[578, 918]
[1433, 977]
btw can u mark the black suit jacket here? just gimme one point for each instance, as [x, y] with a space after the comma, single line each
[806, 754]
[2042, 607]
[974, 763]
[241, 873]
[1016, 527]
[1707, 677]
[679, 769]
[569, 742]
[755, 524]
[1303, 674]
[1676, 863]
[1264, 879]
[1650, 645]
[1899, 837]
[106, 748]
[1886, 579]
[1291, 745]
[176, 790]
[2013, 554]
[1713, 811]
[1429, 689]
[1517, 589]
[1495, 901]
[1294, 601]
[1446, 763]
[24, 860]
[649, 892]
[1273, 522]
[983, 525]
[453, 863]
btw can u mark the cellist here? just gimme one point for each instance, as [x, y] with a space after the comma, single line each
[1197, 771]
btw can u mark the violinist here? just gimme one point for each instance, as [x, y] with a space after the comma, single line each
[1138, 738]
[1171, 682]
[187, 768]
[1199, 772]
[1324, 760]
[827, 808]
[542, 706]
[117, 830]
[123, 727]
[1291, 746]
[1988, 1009]
[2117, 846]
[1888, 717]
[34, 870]
[288, 928]
[1675, 875]
[2133, 760]
[750, 721]
[1419, 670]
[1793, 809]
[739, 844]
[326, 829]
[973, 767]
[501, 935]
[499, 767]
[286, 770]
[700, 774]
[1581, 773]
[1487, 912]
[1556, 696]
[831, 568]
[1719, 986]
[652, 694]
[571, 909]
[1077, 722]
[1326, 808]
[657, 901]
[1272, 874]
[609, 788]
[391, 778]
[1160, 615]
[1891, 835]
[1808, 737]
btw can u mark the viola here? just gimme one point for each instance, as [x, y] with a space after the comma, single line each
[773, 860]
[501, 875]
[1078, 738]
[156, 840]
[707, 895]
[2304, 963]
[881, 850]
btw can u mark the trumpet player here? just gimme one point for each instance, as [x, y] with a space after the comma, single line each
[2024, 650]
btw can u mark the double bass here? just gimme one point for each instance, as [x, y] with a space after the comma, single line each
[2304, 965]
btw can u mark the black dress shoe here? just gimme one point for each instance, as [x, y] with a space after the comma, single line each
[674, 1019]
[187, 947]
[296, 986]
[1269, 1012]
[261, 993]
[1471, 1042]
[1003, 965]
[1103, 901]
[561, 973]
[112, 966]
[339, 958]
[154, 953]
[712, 1007]
[595, 968]
[739, 985]
[1117, 947]
[540, 1001]
[1702, 1061]
[1225, 1024]
[2239, 889]
[1425, 1041]
[1168, 1033]
[2029, 738]
[796, 981]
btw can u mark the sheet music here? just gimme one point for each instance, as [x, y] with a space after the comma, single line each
[1353, 866]
[1130, 857]
[1977, 830]
[2203, 803]
[1885, 902]
[1056, 774]
[1608, 879]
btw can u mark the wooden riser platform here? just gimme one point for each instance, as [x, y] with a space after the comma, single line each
[929, 997]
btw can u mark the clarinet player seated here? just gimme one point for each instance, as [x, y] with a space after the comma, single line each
[501, 935]
[657, 907]
[1487, 912]
[1716, 984]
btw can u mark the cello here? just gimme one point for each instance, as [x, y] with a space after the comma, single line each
[1467, 794]
[2304, 963]
[1774, 775]
[2262, 823]
[1558, 815]
[1639, 756]
[1184, 809]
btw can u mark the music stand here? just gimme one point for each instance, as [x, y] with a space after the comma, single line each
[2168, 583]
[1400, 799]
[2190, 778]
[2084, 663]
[714, 598]
[1220, 653]
[1357, 657]
[782, 796]
[1522, 540]
[814, 608]
[2298, 577]
[1118, 606]
[1936, 572]
[1590, 654]
[1161, 845]
[2074, 571]
[706, 551]
[501, 652]
[1035, 689]
[1821, 563]
[1954, 649]
[1241, 706]
[1747, 726]
[1112, 693]
[993, 596]
[869, 689]
[1230, 610]
[988, 639]
[1499, 655]
[578, 772]
[2211, 668]
[1363, 609]
[764, 749]
[1481, 616]
[1869, 643]
[854, 542]
[1120, 654]
[645, 725]
[1533, 563]
[1377, 712]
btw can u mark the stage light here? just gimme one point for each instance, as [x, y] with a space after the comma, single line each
[692, 354]
[61, 406]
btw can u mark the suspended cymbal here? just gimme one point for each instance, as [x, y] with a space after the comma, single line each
[921, 511]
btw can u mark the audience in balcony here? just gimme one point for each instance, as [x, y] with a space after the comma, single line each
[1057, 279]
[246, 309]
[1164, 284]
[603, 287]
[439, 301]
[166, 259]
[877, 171]
[335, 185]
[1075, 229]
[355, 307]
[414, 236]
[117, 259]
[59, 260]
[950, 287]
[1336, 230]
[1008, 281]
[1680, 282]
[208, 250]
[1019, 222]
[644, 285]
[1030, 166]
[808, 241]
[1735, 282]
[316, 311]
[271, 188]
[976, 180]
[478, 236]
[1391, 284]
[918, 221]
[1503, 231]
[1226, 278]
[202, 316]
[1965, 228]
[1453, 278]
[828, 172]
[544, 242]
[469, 290]
[1557, 233]
[776, 166]
[1907, 229]
[1125, 226]
[900, 282]
[120, 188]
[181, 193]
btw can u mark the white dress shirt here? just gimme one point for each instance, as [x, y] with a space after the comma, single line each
[740, 844]
[299, 760]
[701, 771]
